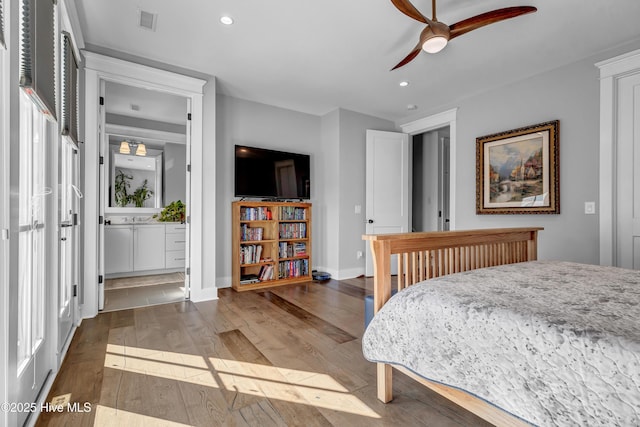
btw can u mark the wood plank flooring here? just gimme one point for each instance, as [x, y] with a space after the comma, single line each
[286, 356]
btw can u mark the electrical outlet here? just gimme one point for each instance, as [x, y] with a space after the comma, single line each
[358, 209]
[359, 254]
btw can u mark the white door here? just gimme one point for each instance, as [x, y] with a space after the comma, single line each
[33, 308]
[628, 173]
[68, 204]
[387, 185]
[103, 199]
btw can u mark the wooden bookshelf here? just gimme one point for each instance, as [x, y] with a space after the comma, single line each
[271, 244]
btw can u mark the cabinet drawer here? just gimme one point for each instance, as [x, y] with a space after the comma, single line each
[175, 242]
[175, 228]
[174, 259]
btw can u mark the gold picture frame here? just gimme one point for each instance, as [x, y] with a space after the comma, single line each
[518, 171]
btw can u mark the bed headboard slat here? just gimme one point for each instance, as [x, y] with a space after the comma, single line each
[433, 254]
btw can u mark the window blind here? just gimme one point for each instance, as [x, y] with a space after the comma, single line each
[37, 53]
[69, 89]
[2, 43]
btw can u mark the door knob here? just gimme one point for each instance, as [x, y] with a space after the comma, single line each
[370, 221]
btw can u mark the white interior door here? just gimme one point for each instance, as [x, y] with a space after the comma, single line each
[68, 213]
[387, 186]
[33, 258]
[628, 173]
[104, 196]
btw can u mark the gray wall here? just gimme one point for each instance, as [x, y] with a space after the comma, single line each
[351, 190]
[175, 181]
[569, 94]
[258, 125]
[424, 186]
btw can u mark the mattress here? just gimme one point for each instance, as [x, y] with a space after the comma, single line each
[554, 343]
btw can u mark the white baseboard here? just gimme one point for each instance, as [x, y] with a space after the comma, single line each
[350, 273]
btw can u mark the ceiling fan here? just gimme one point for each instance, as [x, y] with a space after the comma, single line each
[436, 34]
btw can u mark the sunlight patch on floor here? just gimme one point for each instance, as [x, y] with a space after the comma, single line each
[290, 385]
[109, 417]
[163, 364]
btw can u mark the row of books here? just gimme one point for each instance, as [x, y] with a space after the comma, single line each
[295, 268]
[266, 273]
[255, 214]
[293, 231]
[250, 254]
[290, 250]
[250, 233]
[288, 213]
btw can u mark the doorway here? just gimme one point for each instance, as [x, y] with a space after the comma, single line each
[144, 197]
[430, 180]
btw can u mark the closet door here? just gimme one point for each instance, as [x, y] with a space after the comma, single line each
[628, 173]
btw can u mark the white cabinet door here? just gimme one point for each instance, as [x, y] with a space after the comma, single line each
[148, 244]
[118, 244]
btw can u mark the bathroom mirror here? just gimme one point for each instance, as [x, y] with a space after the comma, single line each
[135, 180]
[144, 183]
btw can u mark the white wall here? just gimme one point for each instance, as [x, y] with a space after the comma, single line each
[249, 123]
[569, 94]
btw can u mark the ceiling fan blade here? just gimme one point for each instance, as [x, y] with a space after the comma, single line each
[416, 50]
[470, 24]
[410, 10]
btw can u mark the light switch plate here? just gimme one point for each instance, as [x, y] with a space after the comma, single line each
[589, 208]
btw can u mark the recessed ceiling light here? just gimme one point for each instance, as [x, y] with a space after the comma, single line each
[411, 107]
[404, 83]
[226, 20]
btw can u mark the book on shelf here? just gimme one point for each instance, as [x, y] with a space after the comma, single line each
[291, 213]
[250, 254]
[250, 233]
[293, 231]
[266, 273]
[261, 213]
[290, 250]
[249, 278]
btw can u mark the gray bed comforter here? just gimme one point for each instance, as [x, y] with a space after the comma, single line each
[554, 343]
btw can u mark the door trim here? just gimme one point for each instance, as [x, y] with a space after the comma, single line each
[100, 68]
[611, 71]
[437, 121]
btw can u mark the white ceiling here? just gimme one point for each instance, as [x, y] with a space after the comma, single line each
[315, 56]
[145, 104]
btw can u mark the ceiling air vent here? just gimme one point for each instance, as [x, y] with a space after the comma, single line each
[147, 20]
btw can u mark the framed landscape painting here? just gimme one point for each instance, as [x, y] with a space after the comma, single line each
[517, 172]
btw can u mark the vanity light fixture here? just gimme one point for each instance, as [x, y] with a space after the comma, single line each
[124, 148]
[138, 148]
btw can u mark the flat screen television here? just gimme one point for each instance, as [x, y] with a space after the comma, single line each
[271, 174]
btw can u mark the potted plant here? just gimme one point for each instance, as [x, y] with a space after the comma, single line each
[173, 212]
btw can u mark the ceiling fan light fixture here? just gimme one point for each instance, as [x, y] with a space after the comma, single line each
[434, 44]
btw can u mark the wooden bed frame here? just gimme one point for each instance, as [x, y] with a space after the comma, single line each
[423, 256]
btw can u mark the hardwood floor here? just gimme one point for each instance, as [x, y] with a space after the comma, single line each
[287, 356]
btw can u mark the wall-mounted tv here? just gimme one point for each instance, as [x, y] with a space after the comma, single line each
[271, 174]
